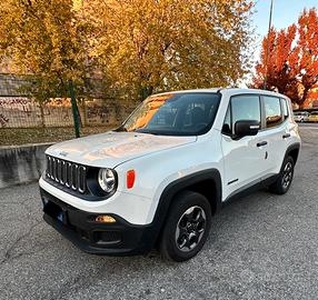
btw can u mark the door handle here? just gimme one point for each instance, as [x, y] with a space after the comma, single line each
[287, 135]
[260, 144]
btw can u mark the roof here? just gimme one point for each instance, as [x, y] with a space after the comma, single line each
[229, 90]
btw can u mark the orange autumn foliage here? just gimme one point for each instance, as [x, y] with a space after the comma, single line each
[291, 64]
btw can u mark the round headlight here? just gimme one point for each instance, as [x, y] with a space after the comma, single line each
[107, 180]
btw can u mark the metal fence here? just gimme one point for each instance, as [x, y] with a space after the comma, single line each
[19, 111]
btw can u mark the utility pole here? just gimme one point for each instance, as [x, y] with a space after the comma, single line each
[267, 50]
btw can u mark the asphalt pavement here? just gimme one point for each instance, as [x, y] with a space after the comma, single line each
[262, 246]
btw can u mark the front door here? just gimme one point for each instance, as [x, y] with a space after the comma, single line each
[244, 159]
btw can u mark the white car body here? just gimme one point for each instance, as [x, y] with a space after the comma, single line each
[159, 161]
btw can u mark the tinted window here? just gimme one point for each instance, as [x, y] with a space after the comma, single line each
[273, 112]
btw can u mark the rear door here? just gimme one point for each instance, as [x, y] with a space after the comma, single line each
[276, 132]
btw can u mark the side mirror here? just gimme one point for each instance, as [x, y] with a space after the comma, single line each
[246, 127]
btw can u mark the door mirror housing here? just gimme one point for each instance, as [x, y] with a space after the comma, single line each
[246, 127]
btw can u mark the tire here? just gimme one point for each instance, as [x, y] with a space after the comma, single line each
[285, 177]
[187, 227]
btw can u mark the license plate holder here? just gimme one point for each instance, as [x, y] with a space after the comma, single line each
[55, 211]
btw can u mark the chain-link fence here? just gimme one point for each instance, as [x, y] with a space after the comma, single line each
[19, 111]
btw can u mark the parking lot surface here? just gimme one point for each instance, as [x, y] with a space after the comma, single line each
[262, 246]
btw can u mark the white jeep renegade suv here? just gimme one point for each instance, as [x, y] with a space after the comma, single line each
[159, 178]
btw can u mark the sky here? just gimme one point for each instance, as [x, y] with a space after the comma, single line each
[285, 13]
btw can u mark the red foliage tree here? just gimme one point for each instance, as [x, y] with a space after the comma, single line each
[290, 62]
[307, 47]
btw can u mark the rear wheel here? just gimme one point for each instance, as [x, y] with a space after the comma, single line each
[284, 180]
[187, 227]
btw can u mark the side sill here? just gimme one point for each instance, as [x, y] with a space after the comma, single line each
[251, 188]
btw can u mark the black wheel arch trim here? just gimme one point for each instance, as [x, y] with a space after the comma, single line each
[182, 184]
[293, 147]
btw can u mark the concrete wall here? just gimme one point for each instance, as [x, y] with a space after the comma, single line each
[21, 164]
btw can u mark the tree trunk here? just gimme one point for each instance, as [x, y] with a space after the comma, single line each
[83, 112]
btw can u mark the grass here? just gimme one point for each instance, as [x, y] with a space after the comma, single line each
[22, 136]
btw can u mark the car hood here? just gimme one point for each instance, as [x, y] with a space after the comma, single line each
[113, 148]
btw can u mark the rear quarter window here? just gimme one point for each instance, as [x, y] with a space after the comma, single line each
[284, 106]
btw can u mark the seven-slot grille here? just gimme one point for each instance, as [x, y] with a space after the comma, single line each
[68, 174]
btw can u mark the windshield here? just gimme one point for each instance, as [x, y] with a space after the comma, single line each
[174, 114]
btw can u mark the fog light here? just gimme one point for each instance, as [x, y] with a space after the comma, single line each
[105, 219]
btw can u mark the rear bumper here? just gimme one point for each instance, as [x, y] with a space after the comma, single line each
[80, 227]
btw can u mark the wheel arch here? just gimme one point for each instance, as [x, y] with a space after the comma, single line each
[293, 151]
[207, 183]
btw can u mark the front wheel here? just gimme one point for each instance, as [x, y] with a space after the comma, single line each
[187, 227]
[285, 177]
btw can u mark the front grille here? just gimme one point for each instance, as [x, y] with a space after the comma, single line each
[67, 174]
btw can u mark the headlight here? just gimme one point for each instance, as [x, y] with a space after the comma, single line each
[107, 180]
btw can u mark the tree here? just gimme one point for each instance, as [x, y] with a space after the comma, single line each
[277, 61]
[147, 45]
[44, 39]
[291, 64]
[308, 51]
[135, 47]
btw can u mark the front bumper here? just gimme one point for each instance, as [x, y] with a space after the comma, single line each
[120, 238]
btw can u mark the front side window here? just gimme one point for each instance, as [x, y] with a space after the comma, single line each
[242, 107]
[174, 114]
[245, 107]
[273, 112]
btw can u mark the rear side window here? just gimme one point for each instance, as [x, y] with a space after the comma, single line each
[273, 113]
